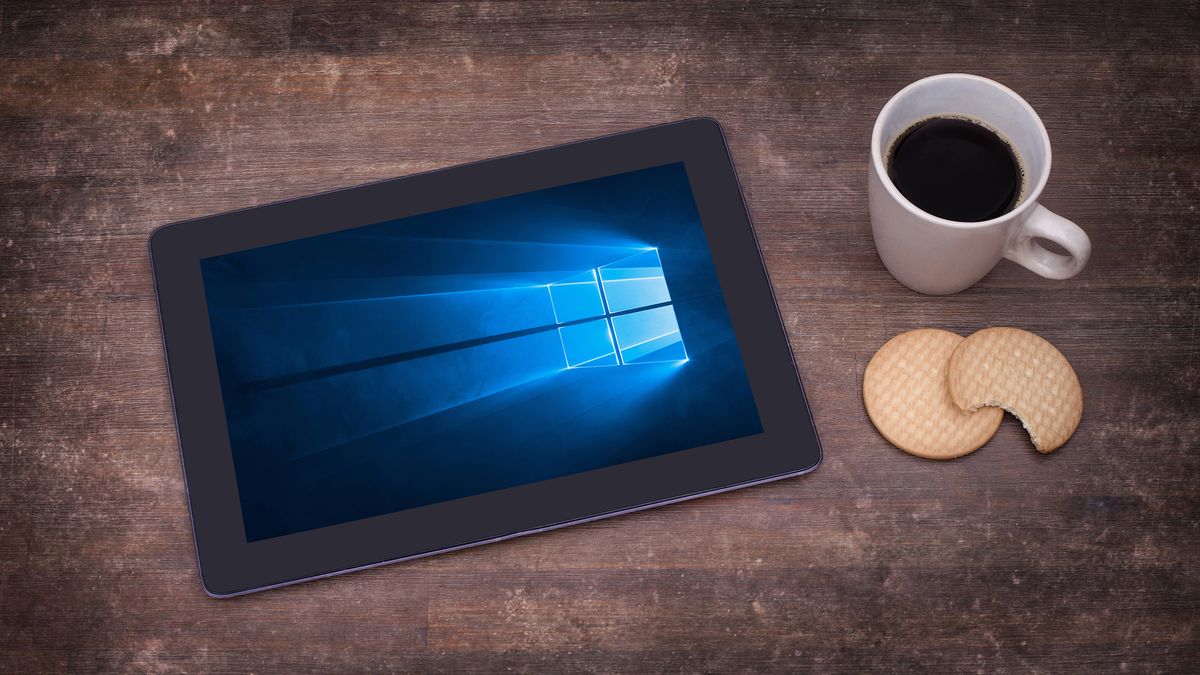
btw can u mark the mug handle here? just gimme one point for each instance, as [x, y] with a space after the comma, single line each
[1045, 224]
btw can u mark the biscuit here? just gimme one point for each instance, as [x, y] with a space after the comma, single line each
[904, 389]
[1022, 373]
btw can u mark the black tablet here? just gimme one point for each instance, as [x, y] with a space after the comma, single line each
[471, 354]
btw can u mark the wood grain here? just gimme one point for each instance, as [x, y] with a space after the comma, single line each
[117, 117]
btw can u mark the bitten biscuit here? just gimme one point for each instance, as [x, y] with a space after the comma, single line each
[904, 389]
[1023, 374]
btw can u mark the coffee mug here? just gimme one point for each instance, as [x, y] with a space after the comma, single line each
[937, 256]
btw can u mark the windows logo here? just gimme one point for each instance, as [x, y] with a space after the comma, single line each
[619, 314]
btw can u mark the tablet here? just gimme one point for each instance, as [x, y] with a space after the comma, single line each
[471, 354]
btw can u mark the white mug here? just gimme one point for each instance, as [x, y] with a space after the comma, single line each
[938, 256]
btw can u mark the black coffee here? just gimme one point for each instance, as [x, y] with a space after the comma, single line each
[956, 169]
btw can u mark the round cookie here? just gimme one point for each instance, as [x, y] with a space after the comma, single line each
[904, 389]
[1023, 374]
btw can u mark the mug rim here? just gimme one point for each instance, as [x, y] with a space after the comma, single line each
[877, 154]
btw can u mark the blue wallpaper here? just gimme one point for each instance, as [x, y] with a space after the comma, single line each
[473, 349]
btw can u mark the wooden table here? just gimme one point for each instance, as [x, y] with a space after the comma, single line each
[119, 117]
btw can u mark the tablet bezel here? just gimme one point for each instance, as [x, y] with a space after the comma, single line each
[229, 565]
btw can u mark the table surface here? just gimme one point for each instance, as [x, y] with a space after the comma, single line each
[118, 117]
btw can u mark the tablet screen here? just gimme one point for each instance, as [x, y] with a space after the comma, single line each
[449, 354]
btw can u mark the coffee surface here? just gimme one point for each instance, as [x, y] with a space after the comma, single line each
[956, 169]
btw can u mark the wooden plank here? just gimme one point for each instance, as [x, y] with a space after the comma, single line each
[118, 117]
